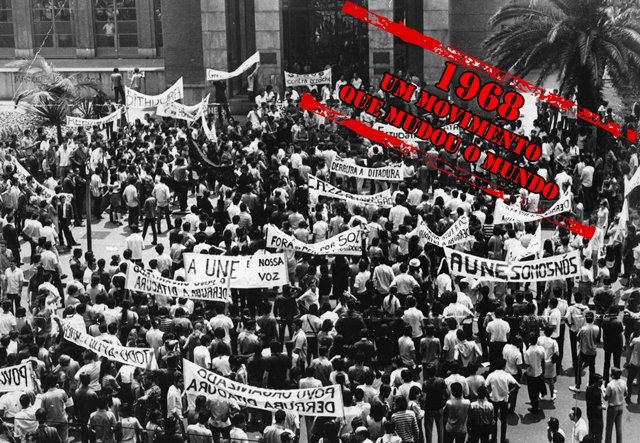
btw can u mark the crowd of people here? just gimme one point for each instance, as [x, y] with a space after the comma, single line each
[419, 353]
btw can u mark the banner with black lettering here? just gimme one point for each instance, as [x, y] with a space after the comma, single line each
[91, 122]
[509, 214]
[135, 99]
[143, 280]
[16, 378]
[318, 402]
[316, 78]
[345, 243]
[387, 173]
[630, 185]
[550, 268]
[382, 199]
[397, 133]
[458, 232]
[238, 272]
[138, 357]
[213, 75]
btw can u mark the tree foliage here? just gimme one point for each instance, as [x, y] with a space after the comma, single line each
[577, 40]
[53, 96]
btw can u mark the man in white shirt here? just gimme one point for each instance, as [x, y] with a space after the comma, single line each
[534, 359]
[498, 334]
[132, 199]
[580, 427]
[414, 318]
[14, 279]
[162, 194]
[398, 213]
[135, 243]
[499, 384]
[7, 320]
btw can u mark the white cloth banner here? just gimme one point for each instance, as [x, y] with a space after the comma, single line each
[509, 214]
[397, 133]
[139, 279]
[213, 75]
[91, 122]
[387, 173]
[457, 232]
[174, 110]
[452, 129]
[134, 99]
[382, 199]
[316, 78]
[318, 402]
[138, 357]
[630, 185]
[550, 268]
[16, 378]
[345, 243]
[238, 272]
[182, 112]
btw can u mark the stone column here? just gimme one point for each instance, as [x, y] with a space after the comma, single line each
[268, 22]
[183, 48]
[436, 25]
[214, 39]
[380, 43]
[146, 29]
[22, 28]
[84, 27]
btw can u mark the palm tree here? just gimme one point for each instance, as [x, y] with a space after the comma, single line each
[53, 96]
[578, 40]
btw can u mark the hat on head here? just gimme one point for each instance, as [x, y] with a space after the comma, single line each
[414, 262]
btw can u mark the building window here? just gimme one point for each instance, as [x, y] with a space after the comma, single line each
[116, 26]
[313, 29]
[6, 25]
[53, 24]
[157, 16]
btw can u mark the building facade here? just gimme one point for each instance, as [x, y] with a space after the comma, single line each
[169, 39]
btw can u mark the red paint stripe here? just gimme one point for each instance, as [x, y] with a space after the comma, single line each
[310, 104]
[430, 44]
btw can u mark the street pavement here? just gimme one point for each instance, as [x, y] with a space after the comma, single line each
[109, 239]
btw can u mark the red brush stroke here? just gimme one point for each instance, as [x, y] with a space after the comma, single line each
[430, 44]
[310, 104]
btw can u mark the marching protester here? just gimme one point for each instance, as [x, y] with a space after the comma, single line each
[298, 255]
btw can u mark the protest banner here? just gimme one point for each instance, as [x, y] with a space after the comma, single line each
[238, 272]
[213, 75]
[382, 199]
[316, 78]
[319, 402]
[387, 173]
[550, 268]
[630, 185]
[16, 378]
[135, 99]
[452, 129]
[91, 122]
[457, 232]
[143, 280]
[345, 243]
[510, 214]
[398, 133]
[183, 112]
[139, 357]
